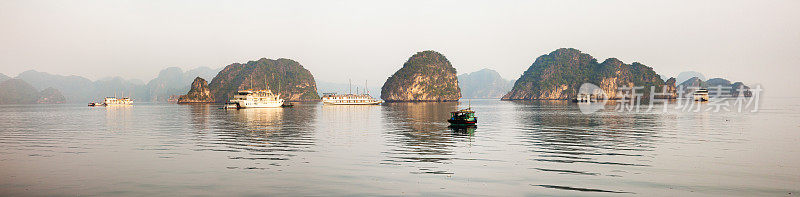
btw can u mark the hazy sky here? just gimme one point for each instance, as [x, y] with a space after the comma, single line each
[750, 41]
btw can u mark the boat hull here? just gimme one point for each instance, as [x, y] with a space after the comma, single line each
[244, 105]
[462, 122]
[364, 103]
[262, 106]
[701, 98]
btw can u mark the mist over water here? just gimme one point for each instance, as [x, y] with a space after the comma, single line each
[518, 148]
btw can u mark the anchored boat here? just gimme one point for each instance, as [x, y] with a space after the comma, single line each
[463, 118]
[349, 99]
[254, 99]
[117, 101]
[113, 101]
[700, 95]
[585, 98]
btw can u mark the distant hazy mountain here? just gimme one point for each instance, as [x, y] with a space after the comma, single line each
[173, 81]
[3, 77]
[78, 89]
[119, 87]
[712, 84]
[486, 83]
[75, 89]
[17, 91]
[344, 88]
[693, 82]
[683, 76]
[50, 96]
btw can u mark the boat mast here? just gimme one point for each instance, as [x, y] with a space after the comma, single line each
[349, 86]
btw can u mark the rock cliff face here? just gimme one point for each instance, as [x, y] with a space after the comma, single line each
[283, 76]
[426, 76]
[559, 75]
[671, 88]
[199, 93]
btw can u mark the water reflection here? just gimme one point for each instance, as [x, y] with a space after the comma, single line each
[518, 149]
[568, 142]
[200, 115]
[272, 134]
[118, 117]
[419, 132]
[464, 130]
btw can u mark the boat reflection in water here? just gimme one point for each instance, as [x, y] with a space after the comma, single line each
[420, 135]
[464, 130]
[259, 119]
[252, 136]
[119, 117]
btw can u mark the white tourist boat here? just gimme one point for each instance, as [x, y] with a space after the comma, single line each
[254, 99]
[109, 101]
[349, 99]
[700, 95]
[113, 101]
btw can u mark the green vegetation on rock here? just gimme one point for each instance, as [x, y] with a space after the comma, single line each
[426, 76]
[559, 75]
[283, 76]
[199, 93]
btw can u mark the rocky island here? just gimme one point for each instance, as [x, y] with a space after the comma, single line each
[427, 76]
[283, 76]
[559, 75]
[199, 93]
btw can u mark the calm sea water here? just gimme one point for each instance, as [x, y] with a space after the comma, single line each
[519, 148]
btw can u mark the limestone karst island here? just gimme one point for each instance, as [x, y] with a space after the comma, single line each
[426, 76]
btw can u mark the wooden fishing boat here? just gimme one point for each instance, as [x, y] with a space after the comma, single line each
[463, 118]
